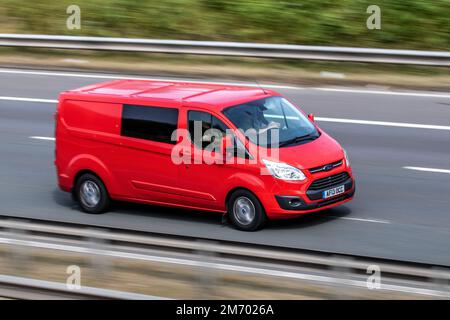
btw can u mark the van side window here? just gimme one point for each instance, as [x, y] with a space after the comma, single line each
[149, 123]
[205, 122]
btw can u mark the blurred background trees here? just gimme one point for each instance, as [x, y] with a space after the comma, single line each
[414, 24]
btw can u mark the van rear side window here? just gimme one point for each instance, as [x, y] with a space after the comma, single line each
[149, 123]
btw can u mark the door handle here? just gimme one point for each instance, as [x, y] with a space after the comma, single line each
[185, 153]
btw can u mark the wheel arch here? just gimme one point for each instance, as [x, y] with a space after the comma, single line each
[230, 193]
[88, 164]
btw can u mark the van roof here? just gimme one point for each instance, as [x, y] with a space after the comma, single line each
[187, 93]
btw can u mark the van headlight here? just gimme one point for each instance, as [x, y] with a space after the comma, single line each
[347, 160]
[284, 171]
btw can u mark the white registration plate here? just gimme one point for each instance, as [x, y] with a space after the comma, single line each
[333, 192]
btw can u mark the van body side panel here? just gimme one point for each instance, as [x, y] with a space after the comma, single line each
[87, 139]
[97, 117]
[145, 169]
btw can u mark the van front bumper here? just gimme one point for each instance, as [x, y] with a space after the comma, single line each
[290, 206]
[298, 204]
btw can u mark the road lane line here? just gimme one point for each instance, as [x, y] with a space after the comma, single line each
[322, 119]
[112, 76]
[29, 99]
[363, 220]
[385, 123]
[394, 93]
[124, 77]
[358, 219]
[42, 138]
[428, 169]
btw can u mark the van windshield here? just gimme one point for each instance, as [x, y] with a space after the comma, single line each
[272, 122]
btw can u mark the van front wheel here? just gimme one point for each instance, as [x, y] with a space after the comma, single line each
[91, 194]
[245, 211]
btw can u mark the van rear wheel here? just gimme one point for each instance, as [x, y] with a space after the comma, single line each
[245, 211]
[91, 194]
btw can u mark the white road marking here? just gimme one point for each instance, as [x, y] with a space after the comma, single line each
[42, 138]
[385, 123]
[323, 119]
[394, 93]
[366, 220]
[28, 99]
[363, 220]
[112, 76]
[428, 169]
[122, 77]
[364, 122]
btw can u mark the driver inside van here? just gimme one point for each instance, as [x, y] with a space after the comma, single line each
[253, 118]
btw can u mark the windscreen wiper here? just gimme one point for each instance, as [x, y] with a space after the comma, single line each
[298, 139]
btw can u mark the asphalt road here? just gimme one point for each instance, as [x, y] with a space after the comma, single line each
[397, 213]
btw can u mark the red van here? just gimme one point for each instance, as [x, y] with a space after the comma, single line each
[244, 151]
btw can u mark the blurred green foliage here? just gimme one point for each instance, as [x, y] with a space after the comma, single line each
[415, 24]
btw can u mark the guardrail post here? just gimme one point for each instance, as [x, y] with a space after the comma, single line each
[438, 281]
[341, 270]
[19, 254]
[207, 280]
[100, 263]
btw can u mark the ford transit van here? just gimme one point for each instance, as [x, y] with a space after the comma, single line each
[242, 151]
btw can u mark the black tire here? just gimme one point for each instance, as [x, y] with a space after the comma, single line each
[254, 222]
[95, 207]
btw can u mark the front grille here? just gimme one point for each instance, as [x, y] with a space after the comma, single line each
[329, 181]
[326, 167]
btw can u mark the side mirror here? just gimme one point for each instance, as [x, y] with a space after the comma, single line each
[311, 117]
